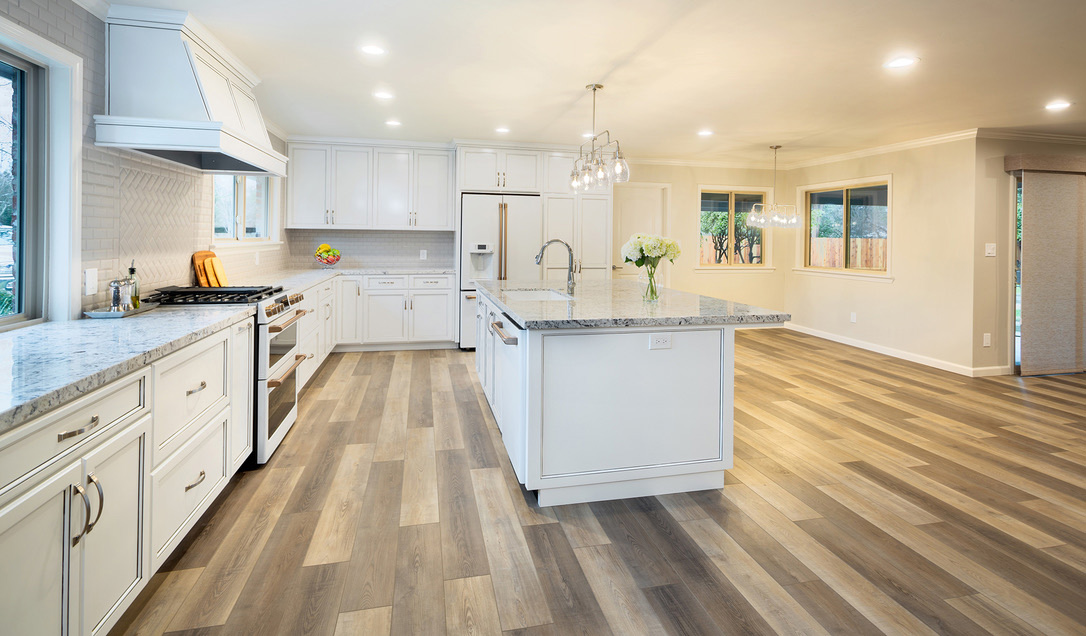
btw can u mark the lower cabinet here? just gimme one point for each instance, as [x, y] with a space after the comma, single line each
[416, 308]
[242, 359]
[348, 310]
[308, 369]
[428, 316]
[326, 309]
[385, 316]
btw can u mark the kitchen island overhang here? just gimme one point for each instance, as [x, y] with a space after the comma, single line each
[600, 395]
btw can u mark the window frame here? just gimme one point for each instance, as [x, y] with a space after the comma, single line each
[731, 190]
[803, 248]
[272, 240]
[30, 258]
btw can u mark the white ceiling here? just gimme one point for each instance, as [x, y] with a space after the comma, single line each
[807, 75]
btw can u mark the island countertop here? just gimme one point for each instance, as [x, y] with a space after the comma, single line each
[617, 303]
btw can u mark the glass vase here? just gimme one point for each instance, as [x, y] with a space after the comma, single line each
[651, 293]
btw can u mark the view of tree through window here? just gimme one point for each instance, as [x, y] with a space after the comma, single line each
[12, 102]
[725, 237]
[852, 217]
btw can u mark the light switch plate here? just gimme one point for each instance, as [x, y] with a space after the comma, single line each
[989, 249]
[422, 255]
[660, 341]
[852, 317]
[90, 281]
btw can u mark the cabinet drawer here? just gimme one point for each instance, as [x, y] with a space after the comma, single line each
[307, 324]
[183, 486]
[431, 282]
[385, 282]
[70, 425]
[188, 386]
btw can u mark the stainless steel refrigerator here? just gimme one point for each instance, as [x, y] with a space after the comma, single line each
[500, 235]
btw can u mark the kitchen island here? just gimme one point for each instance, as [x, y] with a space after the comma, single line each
[600, 395]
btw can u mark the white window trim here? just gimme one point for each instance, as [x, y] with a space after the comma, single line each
[767, 237]
[63, 178]
[274, 239]
[801, 244]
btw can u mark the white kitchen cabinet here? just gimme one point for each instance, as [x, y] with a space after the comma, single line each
[429, 313]
[326, 308]
[510, 390]
[308, 368]
[348, 310]
[556, 169]
[500, 170]
[385, 316]
[350, 187]
[308, 172]
[559, 222]
[115, 563]
[433, 196]
[392, 188]
[242, 359]
[583, 221]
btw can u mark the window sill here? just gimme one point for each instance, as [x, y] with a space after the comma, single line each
[246, 246]
[723, 269]
[872, 278]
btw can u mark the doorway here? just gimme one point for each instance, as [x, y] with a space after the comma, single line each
[639, 208]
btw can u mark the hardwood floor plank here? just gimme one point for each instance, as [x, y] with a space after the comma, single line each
[462, 548]
[312, 489]
[371, 573]
[831, 611]
[371, 622]
[642, 557]
[516, 583]
[767, 489]
[469, 607]
[420, 409]
[448, 434]
[152, 612]
[989, 615]
[418, 606]
[679, 611]
[568, 594]
[334, 536]
[622, 602]
[392, 438]
[419, 504]
[682, 507]
[313, 608]
[580, 525]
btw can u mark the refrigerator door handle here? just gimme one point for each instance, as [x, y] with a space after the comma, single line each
[505, 241]
[501, 246]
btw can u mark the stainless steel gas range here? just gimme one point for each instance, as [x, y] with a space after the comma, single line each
[275, 405]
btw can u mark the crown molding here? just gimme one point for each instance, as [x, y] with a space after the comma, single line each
[881, 150]
[518, 145]
[97, 8]
[356, 141]
[276, 129]
[1023, 135]
[738, 165]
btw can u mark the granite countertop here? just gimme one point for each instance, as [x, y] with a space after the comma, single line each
[618, 303]
[302, 279]
[44, 366]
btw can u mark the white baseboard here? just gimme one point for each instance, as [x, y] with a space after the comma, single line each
[960, 369]
[395, 346]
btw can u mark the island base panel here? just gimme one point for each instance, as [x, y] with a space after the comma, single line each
[713, 480]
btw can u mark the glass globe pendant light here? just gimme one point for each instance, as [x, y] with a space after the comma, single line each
[602, 162]
[773, 214]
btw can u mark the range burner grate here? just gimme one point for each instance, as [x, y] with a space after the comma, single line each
[213, 295]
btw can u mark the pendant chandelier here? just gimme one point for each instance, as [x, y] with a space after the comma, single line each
[774, 214]
[602, 163]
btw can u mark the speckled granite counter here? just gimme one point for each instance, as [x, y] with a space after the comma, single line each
[47, 365]
[618, 303]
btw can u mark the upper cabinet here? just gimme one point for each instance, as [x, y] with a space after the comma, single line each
[557, 167]
[353, 187]
[500, 170]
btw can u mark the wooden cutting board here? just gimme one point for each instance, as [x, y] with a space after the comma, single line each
[199, 265]
[220, 271]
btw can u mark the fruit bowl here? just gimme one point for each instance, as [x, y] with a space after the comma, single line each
[327, 255]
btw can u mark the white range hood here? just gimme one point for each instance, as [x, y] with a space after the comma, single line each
[174, 91]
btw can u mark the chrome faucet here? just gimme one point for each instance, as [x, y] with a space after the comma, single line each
[569, 274]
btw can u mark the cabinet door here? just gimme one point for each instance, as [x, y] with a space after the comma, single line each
[348, 294]
[479, 170]
[308, 369]
[431, 316]
[328, 325]
[350, 187]
[115, 561]
[523, 236]
[559, 216]
[556, 169]
[385, 316]
[36, 530]
[392, 188]
[522, 172]
[594, 237]
[433, 190]
[242, 380]
[309, 169]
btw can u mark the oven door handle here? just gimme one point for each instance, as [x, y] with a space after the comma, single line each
[299, 358]
[277, 328]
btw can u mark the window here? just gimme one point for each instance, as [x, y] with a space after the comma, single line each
[725, 237]
[21, 252]
[847, 228]
[242, 207]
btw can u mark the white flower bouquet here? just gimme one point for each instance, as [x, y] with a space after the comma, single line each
[646, 250]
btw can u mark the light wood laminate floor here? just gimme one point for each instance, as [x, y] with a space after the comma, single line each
[869, 495]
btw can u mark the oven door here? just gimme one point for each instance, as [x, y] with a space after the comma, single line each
[276, 409]
[279, 341]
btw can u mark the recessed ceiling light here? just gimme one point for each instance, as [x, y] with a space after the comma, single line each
[586, 135]
[502, 129]
[382, 95]
[392, 122]
[705, 133]
[373, 49]
[1059, 104]
[901, 61]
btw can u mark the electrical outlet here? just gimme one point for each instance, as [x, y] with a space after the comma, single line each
[422, 255]
[987, 340]
[989, 249]
[660, 341]
[90, 281]
[852, 317]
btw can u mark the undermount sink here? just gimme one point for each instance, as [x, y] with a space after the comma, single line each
[536, 295]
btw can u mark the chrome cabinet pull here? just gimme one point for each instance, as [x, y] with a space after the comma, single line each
[86, 516]
[299, 358]
[326, 217]
[199, 480]
[203, 385]
[333, 217]
[496, 329]
[101, 500]
[79, 431]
